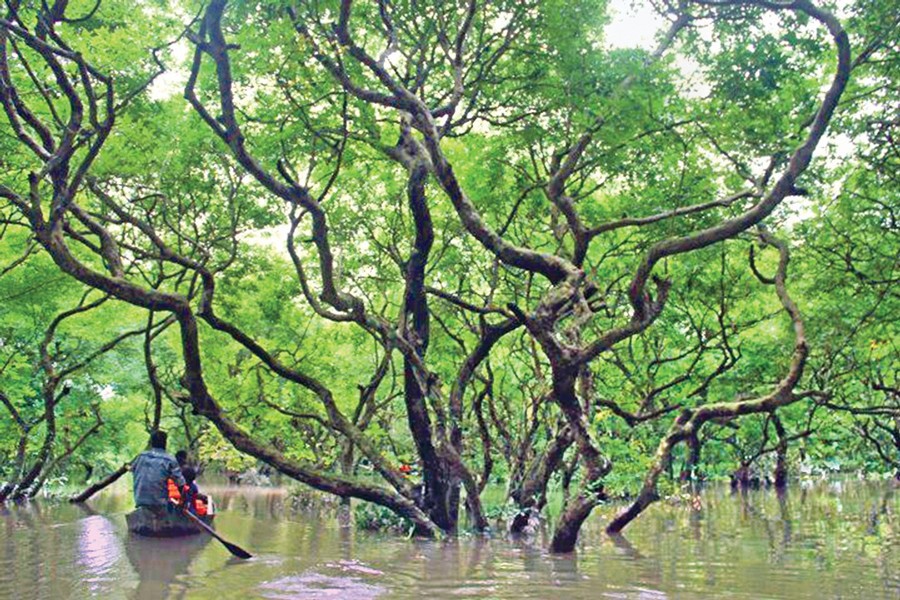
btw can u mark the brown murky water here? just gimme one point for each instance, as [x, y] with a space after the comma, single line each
[830, 540]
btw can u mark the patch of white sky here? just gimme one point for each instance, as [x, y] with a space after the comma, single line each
[172, 81]
[633, 25]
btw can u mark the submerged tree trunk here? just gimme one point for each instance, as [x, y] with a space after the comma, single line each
[530, 495]
[596, 466]
[24, 487]
[781, 458]
[742, 478]
[690, 472]
[439, 488]
[648, 494]
[345, 506]
[103, 483]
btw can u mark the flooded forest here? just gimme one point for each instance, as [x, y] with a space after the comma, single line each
[501, 299]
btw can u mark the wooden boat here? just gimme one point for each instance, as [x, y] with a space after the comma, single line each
[164, 522]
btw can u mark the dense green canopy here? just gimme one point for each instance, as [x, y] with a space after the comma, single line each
[339, 237]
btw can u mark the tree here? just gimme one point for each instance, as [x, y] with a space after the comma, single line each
[489, 237]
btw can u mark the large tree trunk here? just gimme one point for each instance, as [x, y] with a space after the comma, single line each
[436, 496]
[573, 517]
[578, 508]
[439, 489]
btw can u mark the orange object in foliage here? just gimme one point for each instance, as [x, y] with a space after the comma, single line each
[174, 493]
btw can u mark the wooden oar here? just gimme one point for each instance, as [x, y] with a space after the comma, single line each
[233, 548]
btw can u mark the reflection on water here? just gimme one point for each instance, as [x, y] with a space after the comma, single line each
[98, 551]
[828, 540]
[162, 564]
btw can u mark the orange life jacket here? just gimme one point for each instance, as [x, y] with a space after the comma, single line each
[174, 492]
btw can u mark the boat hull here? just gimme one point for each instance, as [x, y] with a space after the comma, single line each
[162, 523]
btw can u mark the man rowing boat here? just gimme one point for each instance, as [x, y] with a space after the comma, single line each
[152, 471]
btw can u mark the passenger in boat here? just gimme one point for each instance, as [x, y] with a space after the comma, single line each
[174, 491]
[193, 499]
[152, 470]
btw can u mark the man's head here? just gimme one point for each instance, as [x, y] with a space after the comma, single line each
[189, 474]
[158, 439]
[182, 457]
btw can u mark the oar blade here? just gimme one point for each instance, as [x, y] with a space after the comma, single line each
[233, 548]
[236, 550]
